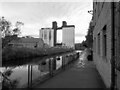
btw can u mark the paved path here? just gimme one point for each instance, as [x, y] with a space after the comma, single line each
[82, 74]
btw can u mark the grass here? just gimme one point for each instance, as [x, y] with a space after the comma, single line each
[13, 54]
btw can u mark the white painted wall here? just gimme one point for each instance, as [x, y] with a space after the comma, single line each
[68, 36]
[52, 38]
[59, 36]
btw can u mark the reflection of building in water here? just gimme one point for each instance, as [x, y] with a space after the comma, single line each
[44, 66]
[54, 63]
[58, 62]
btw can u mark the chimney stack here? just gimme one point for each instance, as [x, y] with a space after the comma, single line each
[64, 23]
[54, 25]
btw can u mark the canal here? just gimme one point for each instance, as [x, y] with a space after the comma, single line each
[37, 71]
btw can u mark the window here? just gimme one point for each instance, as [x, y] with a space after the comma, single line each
[98, 46]
[94, 44]
[98, 6]
[102, 4]
[96, 2]
[104, 45]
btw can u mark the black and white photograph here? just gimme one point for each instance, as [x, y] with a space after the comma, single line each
[72, 44]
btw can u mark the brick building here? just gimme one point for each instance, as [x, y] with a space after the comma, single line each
[106, 41]
[27, 42]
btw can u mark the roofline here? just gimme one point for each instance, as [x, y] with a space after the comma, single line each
[59, 28]
[69, 26]
[45, 28]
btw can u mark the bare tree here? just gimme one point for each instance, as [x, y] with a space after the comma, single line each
[5, 27]
[7, 32]
[16, 30]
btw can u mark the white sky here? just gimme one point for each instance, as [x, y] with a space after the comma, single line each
[36, 15]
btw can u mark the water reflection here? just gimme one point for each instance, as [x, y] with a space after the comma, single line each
[44, 66]
[58, 62]
[81, 62]
[24, 75]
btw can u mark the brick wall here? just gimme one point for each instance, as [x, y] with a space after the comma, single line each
[103, 17]
[117, 41]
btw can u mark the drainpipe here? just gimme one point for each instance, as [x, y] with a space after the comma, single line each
[112, 47]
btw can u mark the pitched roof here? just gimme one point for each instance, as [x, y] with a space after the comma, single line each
[27, 40]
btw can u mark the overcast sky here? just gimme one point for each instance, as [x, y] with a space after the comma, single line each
[36, 15]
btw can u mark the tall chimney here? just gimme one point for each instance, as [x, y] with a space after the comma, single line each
[64, 23]
[54, 26]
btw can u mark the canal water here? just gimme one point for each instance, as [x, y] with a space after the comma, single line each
[21, 76]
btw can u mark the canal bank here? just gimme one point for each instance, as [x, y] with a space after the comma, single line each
[82, 74]
[39, 70]
[10, 54]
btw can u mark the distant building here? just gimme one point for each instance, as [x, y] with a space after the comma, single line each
[47, 34]
[68, 36]
[27, 42]
[106, 41]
